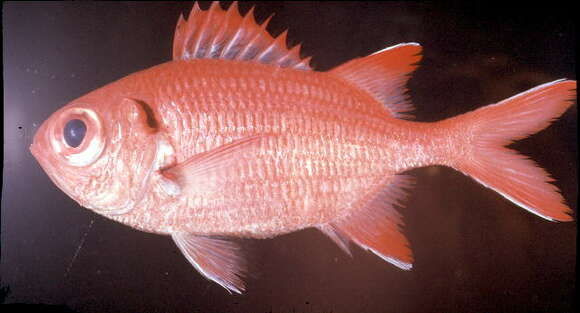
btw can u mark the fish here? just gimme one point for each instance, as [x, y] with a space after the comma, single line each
[238, 136]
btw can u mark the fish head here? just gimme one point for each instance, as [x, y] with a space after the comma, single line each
[100, 150]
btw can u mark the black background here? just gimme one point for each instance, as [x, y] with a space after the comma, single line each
[474, 250]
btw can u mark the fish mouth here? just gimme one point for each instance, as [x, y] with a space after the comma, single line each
[38, 149]
[37, 146]
[34, 150]
[42, 160]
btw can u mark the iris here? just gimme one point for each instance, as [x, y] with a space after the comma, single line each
[74, 132]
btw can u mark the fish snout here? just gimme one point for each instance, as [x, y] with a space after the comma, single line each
[39, 145]
[36, 147]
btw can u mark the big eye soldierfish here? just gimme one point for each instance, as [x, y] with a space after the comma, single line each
[238, 136]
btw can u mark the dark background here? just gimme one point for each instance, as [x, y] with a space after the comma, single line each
[474, 250]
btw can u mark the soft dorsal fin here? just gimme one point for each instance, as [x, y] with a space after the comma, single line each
[384, 75]
[225, 34]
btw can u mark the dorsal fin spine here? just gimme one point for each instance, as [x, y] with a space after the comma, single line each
[233, 8]
[227, 34]
[245, 19]
[248, 18]
[180, 21]
[201, 33]
[279, 41]
[291, 52]
[255, 37]
[177, 40]
[189, 32]
[213, 45]
[304, 63]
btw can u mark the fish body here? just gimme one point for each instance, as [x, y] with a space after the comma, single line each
[325, 143]
[238, 137]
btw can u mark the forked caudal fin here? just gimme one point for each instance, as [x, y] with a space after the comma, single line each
[491, 128]
[484, 133]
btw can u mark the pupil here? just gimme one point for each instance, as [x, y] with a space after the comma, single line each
[74, 132]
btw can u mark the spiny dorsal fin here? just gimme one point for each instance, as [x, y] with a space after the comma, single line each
[225, 34]
[384, 75]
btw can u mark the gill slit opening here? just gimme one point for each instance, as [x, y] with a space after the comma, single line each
[150, 115]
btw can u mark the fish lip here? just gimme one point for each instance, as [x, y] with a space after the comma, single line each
[37, 154]
[44, 162]
[34, 150]
[38, 146]
[35, 147]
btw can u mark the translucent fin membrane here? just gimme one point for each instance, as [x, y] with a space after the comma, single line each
[225, 34]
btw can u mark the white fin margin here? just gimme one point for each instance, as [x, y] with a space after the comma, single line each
[216, 259]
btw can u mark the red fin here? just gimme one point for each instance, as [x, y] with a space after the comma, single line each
[216, 259]
[513, 175]
[377, 226]
[384, 75]
[225, 34]
[198, 173]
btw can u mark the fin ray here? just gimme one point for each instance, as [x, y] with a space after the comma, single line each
[505, 171]
[384, 75]
[334, 233]
[225, 34]
[195, 173]
[377, 225]
[218, 260]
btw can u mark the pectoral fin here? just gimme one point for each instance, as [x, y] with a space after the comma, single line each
[218, 260]
[202, 172]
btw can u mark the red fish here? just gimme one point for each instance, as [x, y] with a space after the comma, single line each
[238, 136]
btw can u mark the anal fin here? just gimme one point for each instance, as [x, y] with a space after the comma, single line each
[334, 233]
[218, 260]
[376, 226]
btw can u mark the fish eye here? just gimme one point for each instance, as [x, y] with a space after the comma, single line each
[77, 136]
[74, 132]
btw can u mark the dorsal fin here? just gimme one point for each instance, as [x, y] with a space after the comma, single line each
[384, 75]
[225, 34]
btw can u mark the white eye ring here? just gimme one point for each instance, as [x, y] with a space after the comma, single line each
[92, 145]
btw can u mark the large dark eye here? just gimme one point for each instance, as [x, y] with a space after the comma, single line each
[74, 132]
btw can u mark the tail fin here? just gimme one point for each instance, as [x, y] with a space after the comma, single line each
[513, 175]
